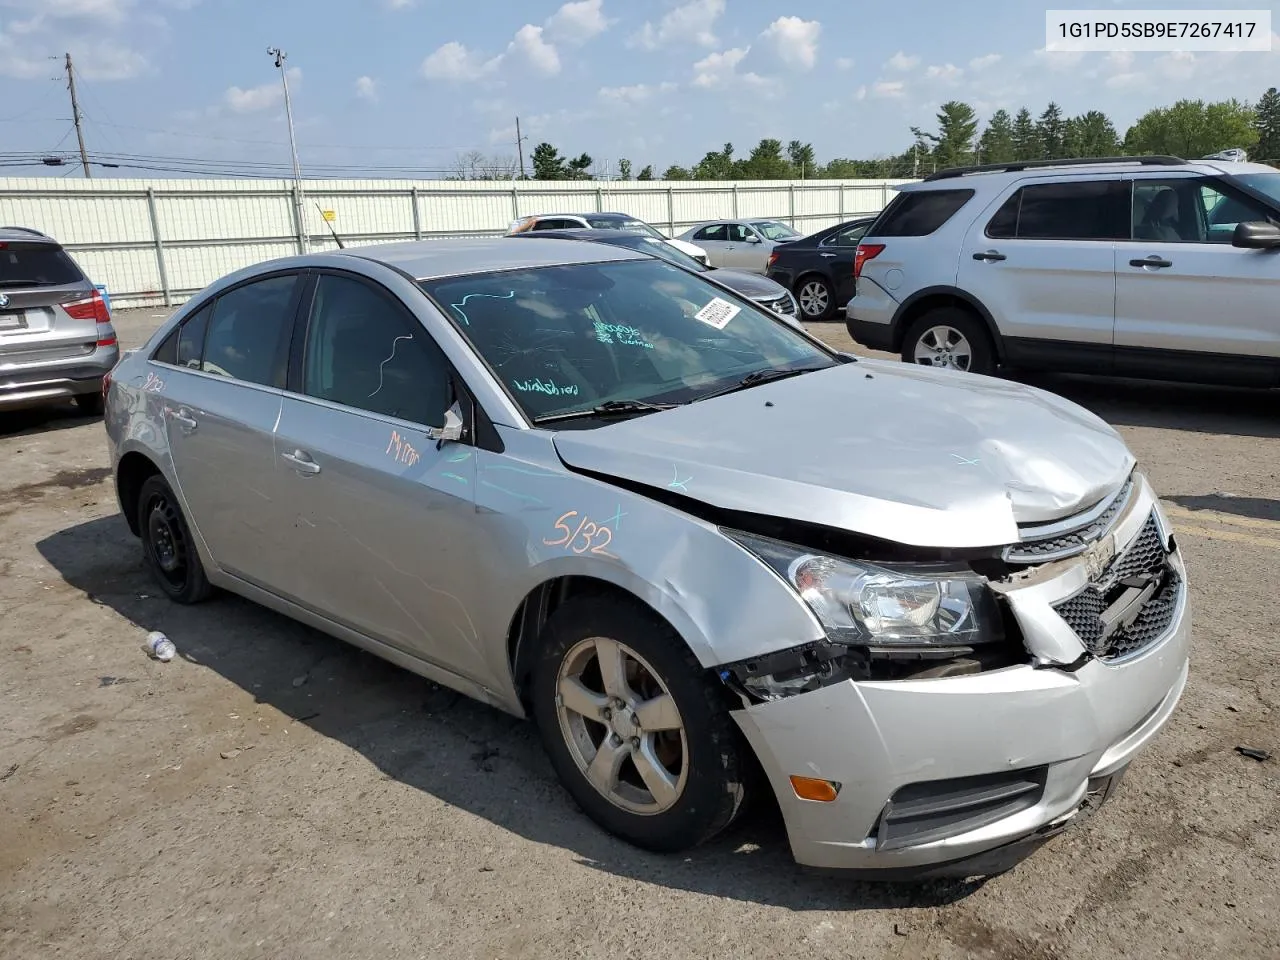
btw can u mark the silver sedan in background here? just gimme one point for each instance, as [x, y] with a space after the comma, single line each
[740, 244]
[942, 612]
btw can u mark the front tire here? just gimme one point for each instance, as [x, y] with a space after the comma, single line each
[951, 338]
[816, 298]
[633, 726]
[167, 544]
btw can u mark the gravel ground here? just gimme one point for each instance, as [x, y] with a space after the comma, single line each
[274, 793]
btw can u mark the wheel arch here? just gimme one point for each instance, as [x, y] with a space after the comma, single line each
[131, 473]
[930, 298]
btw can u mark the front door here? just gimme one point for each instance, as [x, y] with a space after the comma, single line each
[746, 250]
[1188, 303]
[383, 520]
[221, 399]
[1042, 262]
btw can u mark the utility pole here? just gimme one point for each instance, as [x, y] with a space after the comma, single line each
[75, 115]
[520, 147]
[280, 58]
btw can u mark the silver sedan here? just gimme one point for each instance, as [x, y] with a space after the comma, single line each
[740, 244]
[941, 612]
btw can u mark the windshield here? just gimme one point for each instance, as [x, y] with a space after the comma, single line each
[1267, 184]
[773, 230]
[659, 248]
[568, 338]
[631, 226]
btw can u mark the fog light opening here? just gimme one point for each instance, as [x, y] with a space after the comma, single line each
[811, 788]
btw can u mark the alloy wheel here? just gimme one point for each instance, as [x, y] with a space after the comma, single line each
[814, 298]
[944, 346]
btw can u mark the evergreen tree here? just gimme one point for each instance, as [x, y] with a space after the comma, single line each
[547, 163]
[624, 169]
[996, 145]
[646, 172]
[802, 159]
[1051, 131]
[1268, 126]
[1026, 145]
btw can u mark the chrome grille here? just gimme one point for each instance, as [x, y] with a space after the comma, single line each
[1044, 542]
[784, 305]
[1143, 565]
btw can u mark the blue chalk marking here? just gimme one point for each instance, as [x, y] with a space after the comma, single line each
[964, 462]
[459, 457]
[676, 483]
[531, 473]
[491, 296]
[454, 476]
[510, 493]
[616, 520]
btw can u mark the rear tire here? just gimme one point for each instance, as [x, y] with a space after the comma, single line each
[647, 749]
[816, 298]
[951, 338]
[90, 404]
[167, 544]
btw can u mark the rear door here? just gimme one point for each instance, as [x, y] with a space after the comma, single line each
[1042, 262]
[1188, 303]
[46, 306]
[382, 517]
[221, 398]
[714, 238]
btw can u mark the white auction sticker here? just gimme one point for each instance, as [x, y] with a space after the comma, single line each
[1134, 31]
[718, 313]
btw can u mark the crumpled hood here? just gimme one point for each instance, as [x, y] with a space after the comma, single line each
[895, 451]
[751, 285]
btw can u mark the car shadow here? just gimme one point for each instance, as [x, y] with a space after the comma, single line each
[1259, 508]
[1230, 411]
[17, 423]
[469, 755]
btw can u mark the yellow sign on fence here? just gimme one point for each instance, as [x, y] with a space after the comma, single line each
[329, 215]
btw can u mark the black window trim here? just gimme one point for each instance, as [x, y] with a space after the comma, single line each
[478, 429]
[1021, 185]
[711, 226]
[902, 197]
[211, 303]
[1220, 182]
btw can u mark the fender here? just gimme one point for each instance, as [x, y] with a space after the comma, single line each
[905, 309]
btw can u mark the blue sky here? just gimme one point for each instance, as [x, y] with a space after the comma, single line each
[418, 82]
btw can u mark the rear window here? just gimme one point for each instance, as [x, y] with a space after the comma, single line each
[40, 265]
[1093, 210]
[919, 213]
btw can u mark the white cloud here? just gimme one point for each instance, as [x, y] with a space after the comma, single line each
[793, 41]
[577, 22]
[694, 21]
[720, 69]
[888, 89]
[844, 63]
[453, 61]
[947, 73]
[637, 93]
[262, 97]
[902, 63]
[540, 55]
[109, 61]
[982, 63]
[367, 89]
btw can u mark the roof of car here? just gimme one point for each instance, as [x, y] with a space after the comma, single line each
[433, 259]
[22, 233]
[1000, 173]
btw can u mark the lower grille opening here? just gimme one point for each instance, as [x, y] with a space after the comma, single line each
[937, 809]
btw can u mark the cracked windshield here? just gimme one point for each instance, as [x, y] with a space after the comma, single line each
[569, 338]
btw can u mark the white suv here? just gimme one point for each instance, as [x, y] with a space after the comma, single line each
[1141, 266]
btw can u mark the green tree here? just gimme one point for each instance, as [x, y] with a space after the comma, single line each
[1051, 131]
[579, 167]
[1090, 135]
[547, 163]
[842, 169]
[1026, 145]
[804, 163]
[766, 162]
[1193, 129]
[717, 165]
[624, 169]
[1268, 126]
[996, 145]
[952, 145]
[646, 172]
[674, 172]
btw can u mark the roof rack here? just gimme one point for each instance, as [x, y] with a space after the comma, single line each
[30, 230]
[1151, 161]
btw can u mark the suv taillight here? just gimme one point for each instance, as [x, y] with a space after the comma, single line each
[90, 308]
[865, 252]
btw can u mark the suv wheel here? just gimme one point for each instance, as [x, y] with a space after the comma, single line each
[815, 297]
[951, 338]
[633, 727]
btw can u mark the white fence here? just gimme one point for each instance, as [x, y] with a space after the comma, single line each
[158, 242]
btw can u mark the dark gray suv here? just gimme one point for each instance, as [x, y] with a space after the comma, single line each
[56, 338]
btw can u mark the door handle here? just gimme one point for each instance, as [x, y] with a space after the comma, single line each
[302, 462]
[989, 255]
[826, 254]
[1152, 261]
[184, 420]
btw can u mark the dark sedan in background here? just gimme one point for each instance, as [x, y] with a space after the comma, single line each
[818, 268]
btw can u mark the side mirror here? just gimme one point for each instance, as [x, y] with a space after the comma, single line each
[752, 238]
[452, 429]
[1257, 235]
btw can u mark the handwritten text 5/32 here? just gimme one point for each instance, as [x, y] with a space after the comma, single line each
[400, 450]
[586, 537]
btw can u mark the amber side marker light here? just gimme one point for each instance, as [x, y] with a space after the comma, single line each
[810, 788]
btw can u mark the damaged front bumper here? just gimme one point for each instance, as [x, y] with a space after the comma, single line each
[965, 775]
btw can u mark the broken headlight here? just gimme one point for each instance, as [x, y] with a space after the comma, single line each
[872, 612]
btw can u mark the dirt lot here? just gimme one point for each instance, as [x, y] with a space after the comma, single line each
[274, 793]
